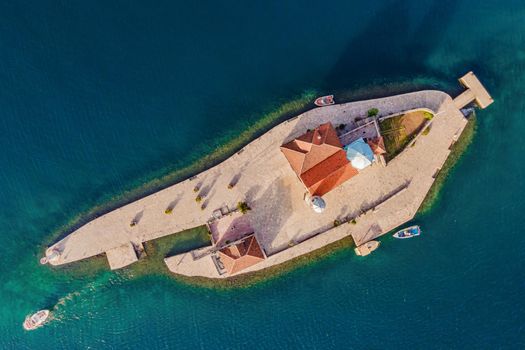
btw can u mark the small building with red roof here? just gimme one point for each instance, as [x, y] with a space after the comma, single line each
[377, 145]
[236, 247]
[240, 255]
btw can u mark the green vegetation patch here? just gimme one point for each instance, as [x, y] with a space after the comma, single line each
[394, 136]
[243, 207]
[157, 250]
[163, 247]
[83, 269]
[372, 112]
[400, 130]
[273, 272]
[152, 263]
[458, 149]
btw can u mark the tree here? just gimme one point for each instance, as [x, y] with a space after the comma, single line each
[243, 207]
[372, 112]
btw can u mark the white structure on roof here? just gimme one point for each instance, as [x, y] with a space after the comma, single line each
[317, 203]
[360, 162]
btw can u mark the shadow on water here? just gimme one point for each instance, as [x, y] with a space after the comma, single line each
[390, 48]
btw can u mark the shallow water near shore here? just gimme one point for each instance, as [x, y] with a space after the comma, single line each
[97, 100]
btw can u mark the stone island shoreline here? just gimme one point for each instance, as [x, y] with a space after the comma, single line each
[358, 170]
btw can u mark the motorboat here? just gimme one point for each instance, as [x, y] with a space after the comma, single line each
[408, 232]
[324, 101]
[36, 320]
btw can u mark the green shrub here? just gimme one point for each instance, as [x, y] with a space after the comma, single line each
[337, 222]
[353, 222]
[196, 189]
[372, 112]
[243, 207]
[428, 115]
[198, 199]
[168, 211]
[426, 131]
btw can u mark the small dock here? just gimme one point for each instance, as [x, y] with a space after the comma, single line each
[475, 92]
[121, 256]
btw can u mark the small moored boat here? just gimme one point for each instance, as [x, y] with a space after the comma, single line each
[324, 101]
[36, 320]
[367, 248]
[408, 232]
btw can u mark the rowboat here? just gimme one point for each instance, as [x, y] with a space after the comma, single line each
[324, 101]
[408, 232]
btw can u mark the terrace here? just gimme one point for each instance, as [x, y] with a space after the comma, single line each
[229, 228]
[369, 129]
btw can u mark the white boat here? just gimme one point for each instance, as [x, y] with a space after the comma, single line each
[36, 320]
[367, 248]
[408, 232]
[324, 101]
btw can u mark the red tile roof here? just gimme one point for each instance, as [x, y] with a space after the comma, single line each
[319, 160]
[311, 148]
[242, 255]
[377, 145]
[334, 179]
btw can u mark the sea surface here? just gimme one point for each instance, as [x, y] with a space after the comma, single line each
[100, 97]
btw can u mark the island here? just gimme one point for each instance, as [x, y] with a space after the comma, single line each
[358, 169]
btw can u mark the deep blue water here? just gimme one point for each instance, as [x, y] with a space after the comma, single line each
[96, 98]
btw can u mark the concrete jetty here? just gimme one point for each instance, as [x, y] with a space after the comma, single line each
[475, 92]
[380, 198]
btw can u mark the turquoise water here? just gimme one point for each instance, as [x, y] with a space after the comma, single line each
[98, 98]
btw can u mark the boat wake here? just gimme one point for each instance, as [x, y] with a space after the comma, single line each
[102, 281]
